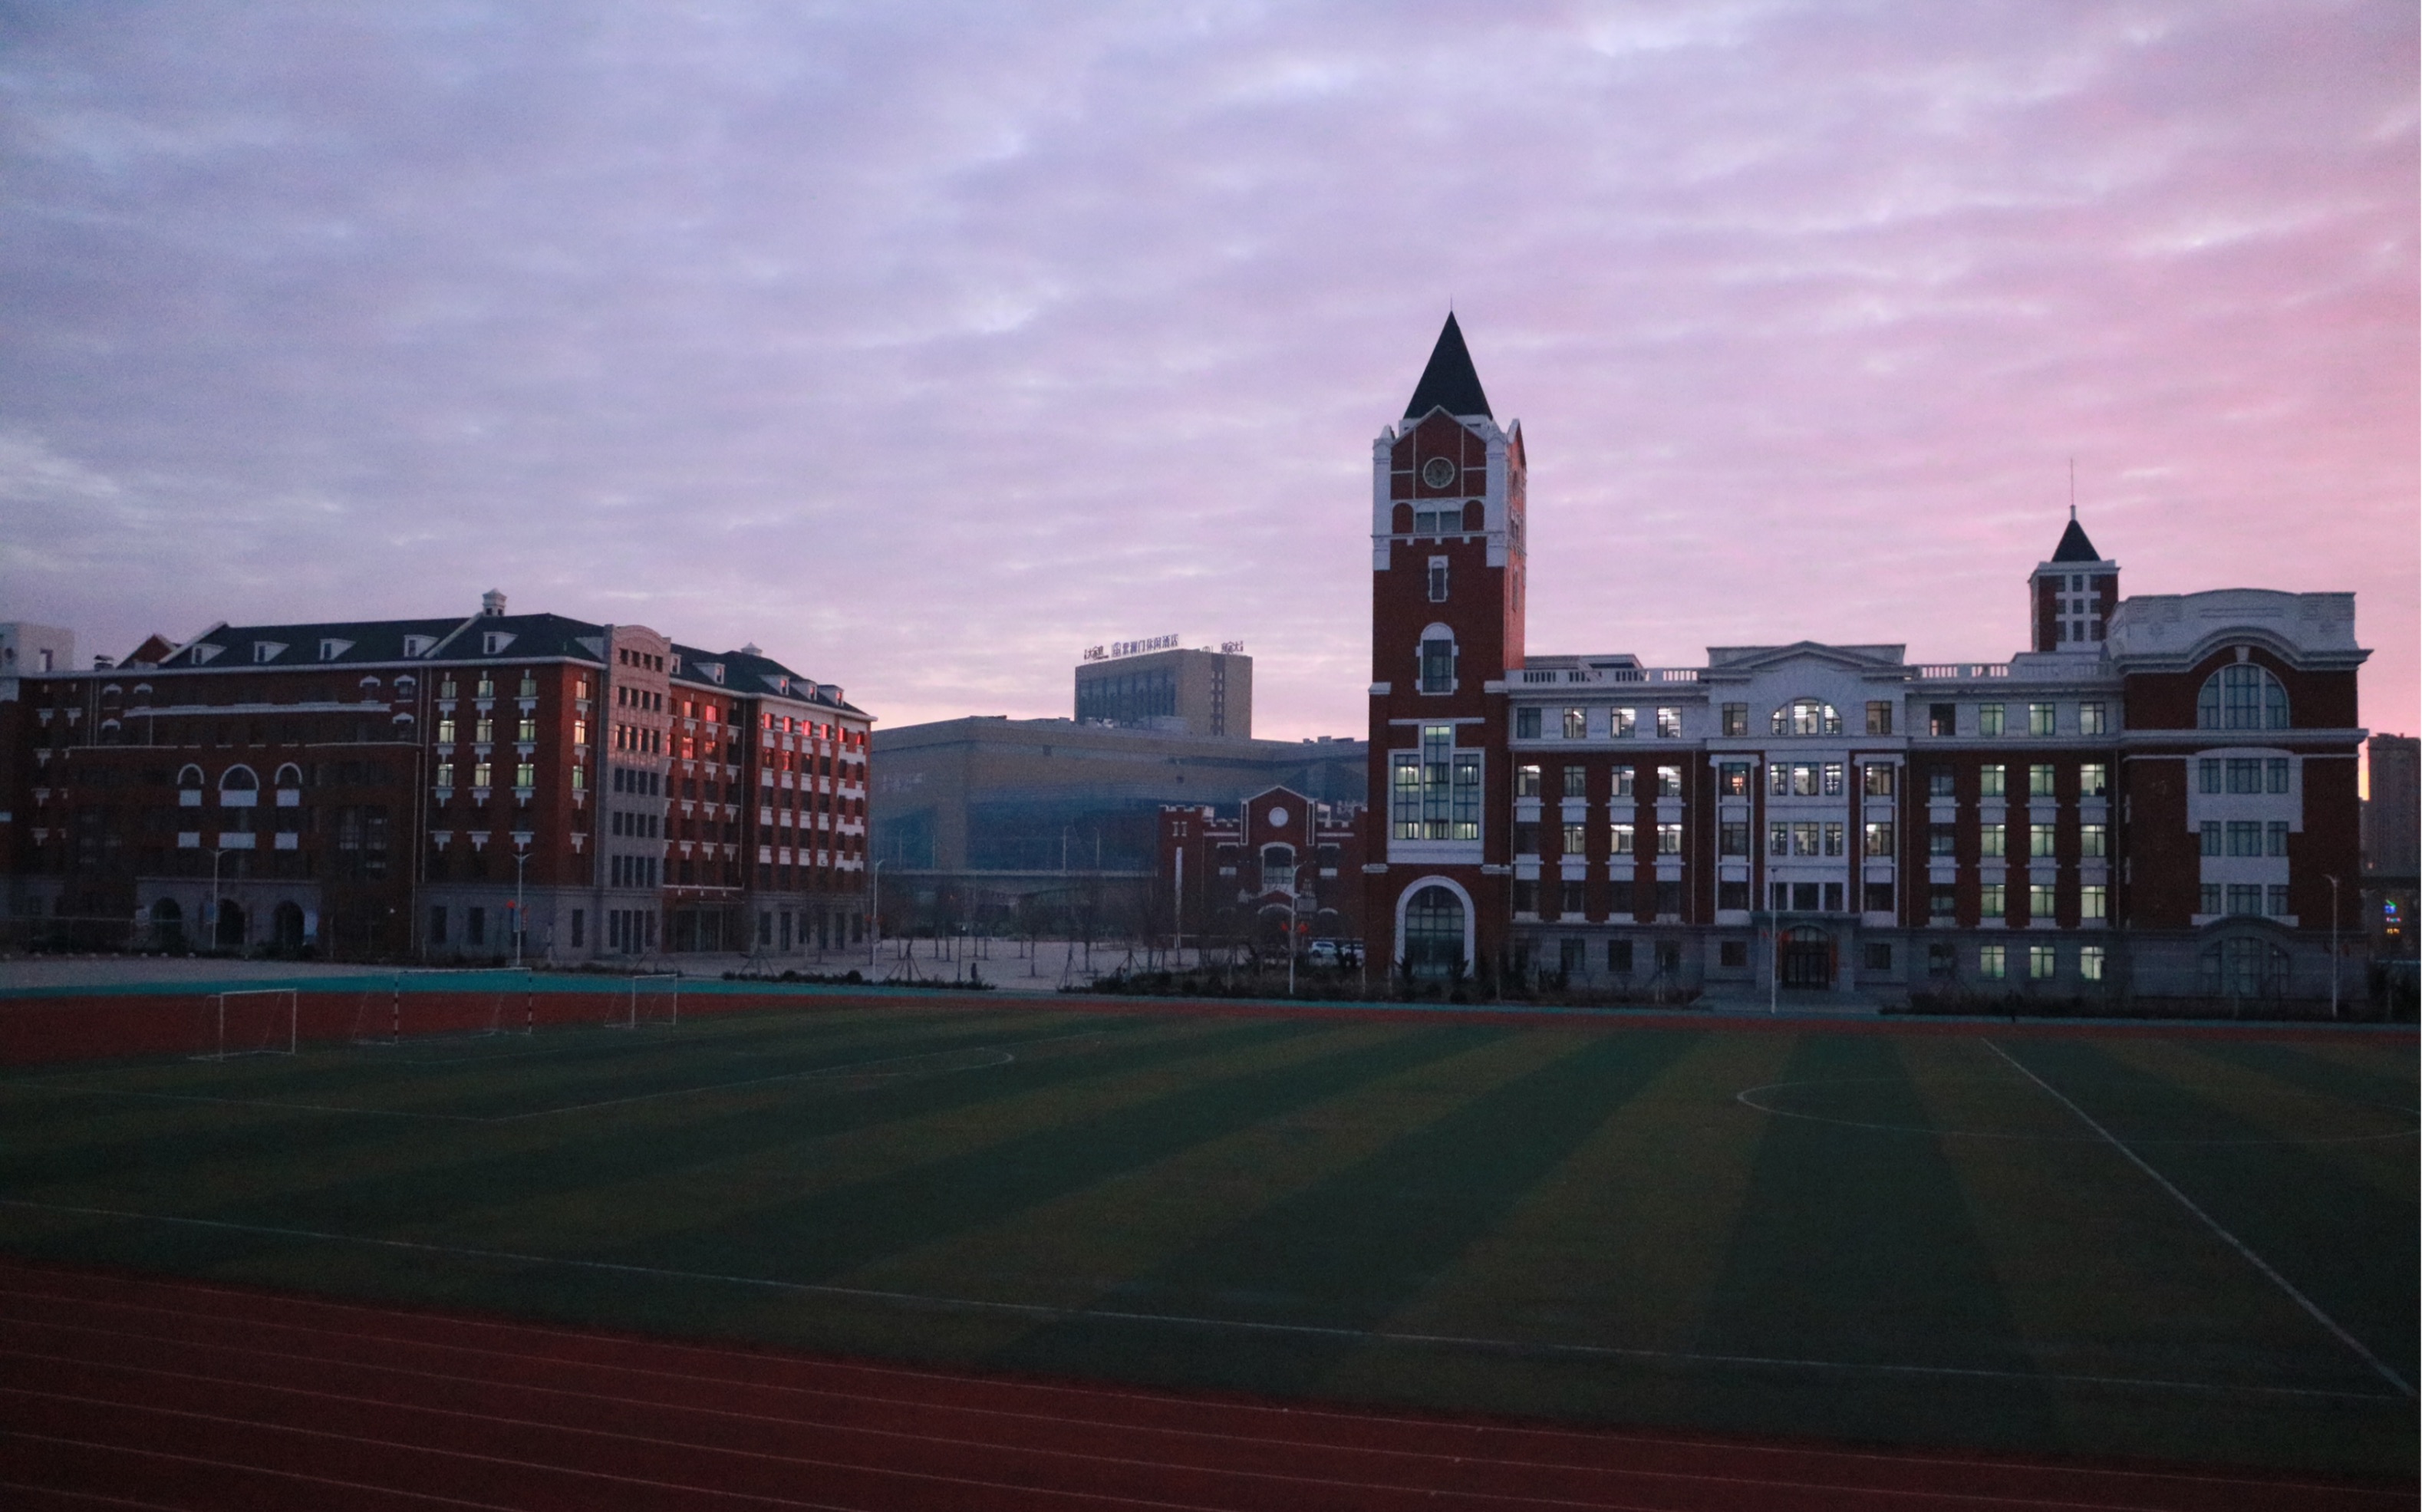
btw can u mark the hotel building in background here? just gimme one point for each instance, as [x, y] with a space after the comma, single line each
[414, 787]
[2152, 798]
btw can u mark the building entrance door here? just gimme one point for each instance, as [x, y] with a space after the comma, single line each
[1807, 958]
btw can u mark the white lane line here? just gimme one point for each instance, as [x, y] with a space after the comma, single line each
[2233, 1241]
[1050, 1313]
[824, 1370]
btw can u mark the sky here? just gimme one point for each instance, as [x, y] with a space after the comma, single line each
[927, 345]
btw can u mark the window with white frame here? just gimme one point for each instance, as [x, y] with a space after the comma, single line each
[2241, 696]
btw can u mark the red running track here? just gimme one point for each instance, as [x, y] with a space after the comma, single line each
[125, 1391]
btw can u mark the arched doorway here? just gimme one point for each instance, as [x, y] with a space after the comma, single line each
[168, 924]
[285, 927]
[1807, 958]
[231, 931]
[1433, 932]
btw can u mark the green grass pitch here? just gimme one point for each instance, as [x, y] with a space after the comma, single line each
[2182, 1248]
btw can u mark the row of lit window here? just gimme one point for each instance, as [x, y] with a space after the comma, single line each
[1434, 792]
[1527, 783]
[483, 773]
[485, 688]
[1622, 840]
[1619, 724]
[2041, 962]
[1994, 901]
[1993, 781]
[1994, 839]
[483, 729]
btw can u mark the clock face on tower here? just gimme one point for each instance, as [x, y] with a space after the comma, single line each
[1439, 472]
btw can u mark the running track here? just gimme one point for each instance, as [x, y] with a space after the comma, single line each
[121, 1391]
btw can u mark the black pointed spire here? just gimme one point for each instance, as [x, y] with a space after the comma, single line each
[2073, 546]
[1449, 382]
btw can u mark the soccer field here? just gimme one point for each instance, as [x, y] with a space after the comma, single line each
[2191, 1247]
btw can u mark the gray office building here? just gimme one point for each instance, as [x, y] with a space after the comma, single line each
[1176, 692]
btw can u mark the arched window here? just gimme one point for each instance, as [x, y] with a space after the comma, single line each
[190, 777]
[1438, 660]
[239, 780]
[290, 776]
[2243, 697]
[1278, 868]
[1433, 932]
[1807, 717]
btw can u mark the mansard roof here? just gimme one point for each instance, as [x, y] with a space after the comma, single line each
[1448, 383]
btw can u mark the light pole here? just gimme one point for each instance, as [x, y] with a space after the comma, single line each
[874, 907]
[2333, 946]
[215, 899]
[521, 918]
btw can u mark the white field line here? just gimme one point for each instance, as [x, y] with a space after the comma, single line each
[1050, 1312]
[2233, 1241]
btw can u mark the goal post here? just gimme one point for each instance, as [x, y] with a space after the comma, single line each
[654, 1001]
[251, 1021]
[477, 1002]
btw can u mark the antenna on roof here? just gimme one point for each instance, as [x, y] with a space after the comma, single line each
[2073, 490]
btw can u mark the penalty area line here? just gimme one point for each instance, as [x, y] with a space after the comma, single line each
[1051, 1312]
[2213, 1223]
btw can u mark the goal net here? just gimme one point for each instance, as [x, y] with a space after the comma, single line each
[252, 1021]
[494, 1000]
[654, 1001]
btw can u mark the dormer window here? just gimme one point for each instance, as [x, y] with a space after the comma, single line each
[418, 645]
[267, 651]
[714, 671]
[331, 649]
[493, 643]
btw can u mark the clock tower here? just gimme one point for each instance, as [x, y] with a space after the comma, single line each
[1447, 568]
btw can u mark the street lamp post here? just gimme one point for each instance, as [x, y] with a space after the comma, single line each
[2333, 946]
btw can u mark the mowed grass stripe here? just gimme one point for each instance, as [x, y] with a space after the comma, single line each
[1618, 1243]
[1352, 1249]
[86, 1140]
[2100, 1272]
[1856, 1246]
[1616, 1246]
[2284, 1099]
[834, 1231]
[2384, 1064]
[1075, 1249]
[413, 1077]
[909, 1145]
[358, 1183]
[2346, 1246]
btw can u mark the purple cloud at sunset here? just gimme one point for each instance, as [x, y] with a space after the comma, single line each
[926, 344]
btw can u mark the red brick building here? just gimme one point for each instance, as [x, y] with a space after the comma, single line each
[418, 788]
[2152, 798]
[1276, 869]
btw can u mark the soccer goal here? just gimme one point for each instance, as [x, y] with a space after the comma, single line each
[652, 1001]
[251, 1021]
[491, 1000]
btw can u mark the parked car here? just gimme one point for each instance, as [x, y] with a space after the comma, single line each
[1322, 952]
